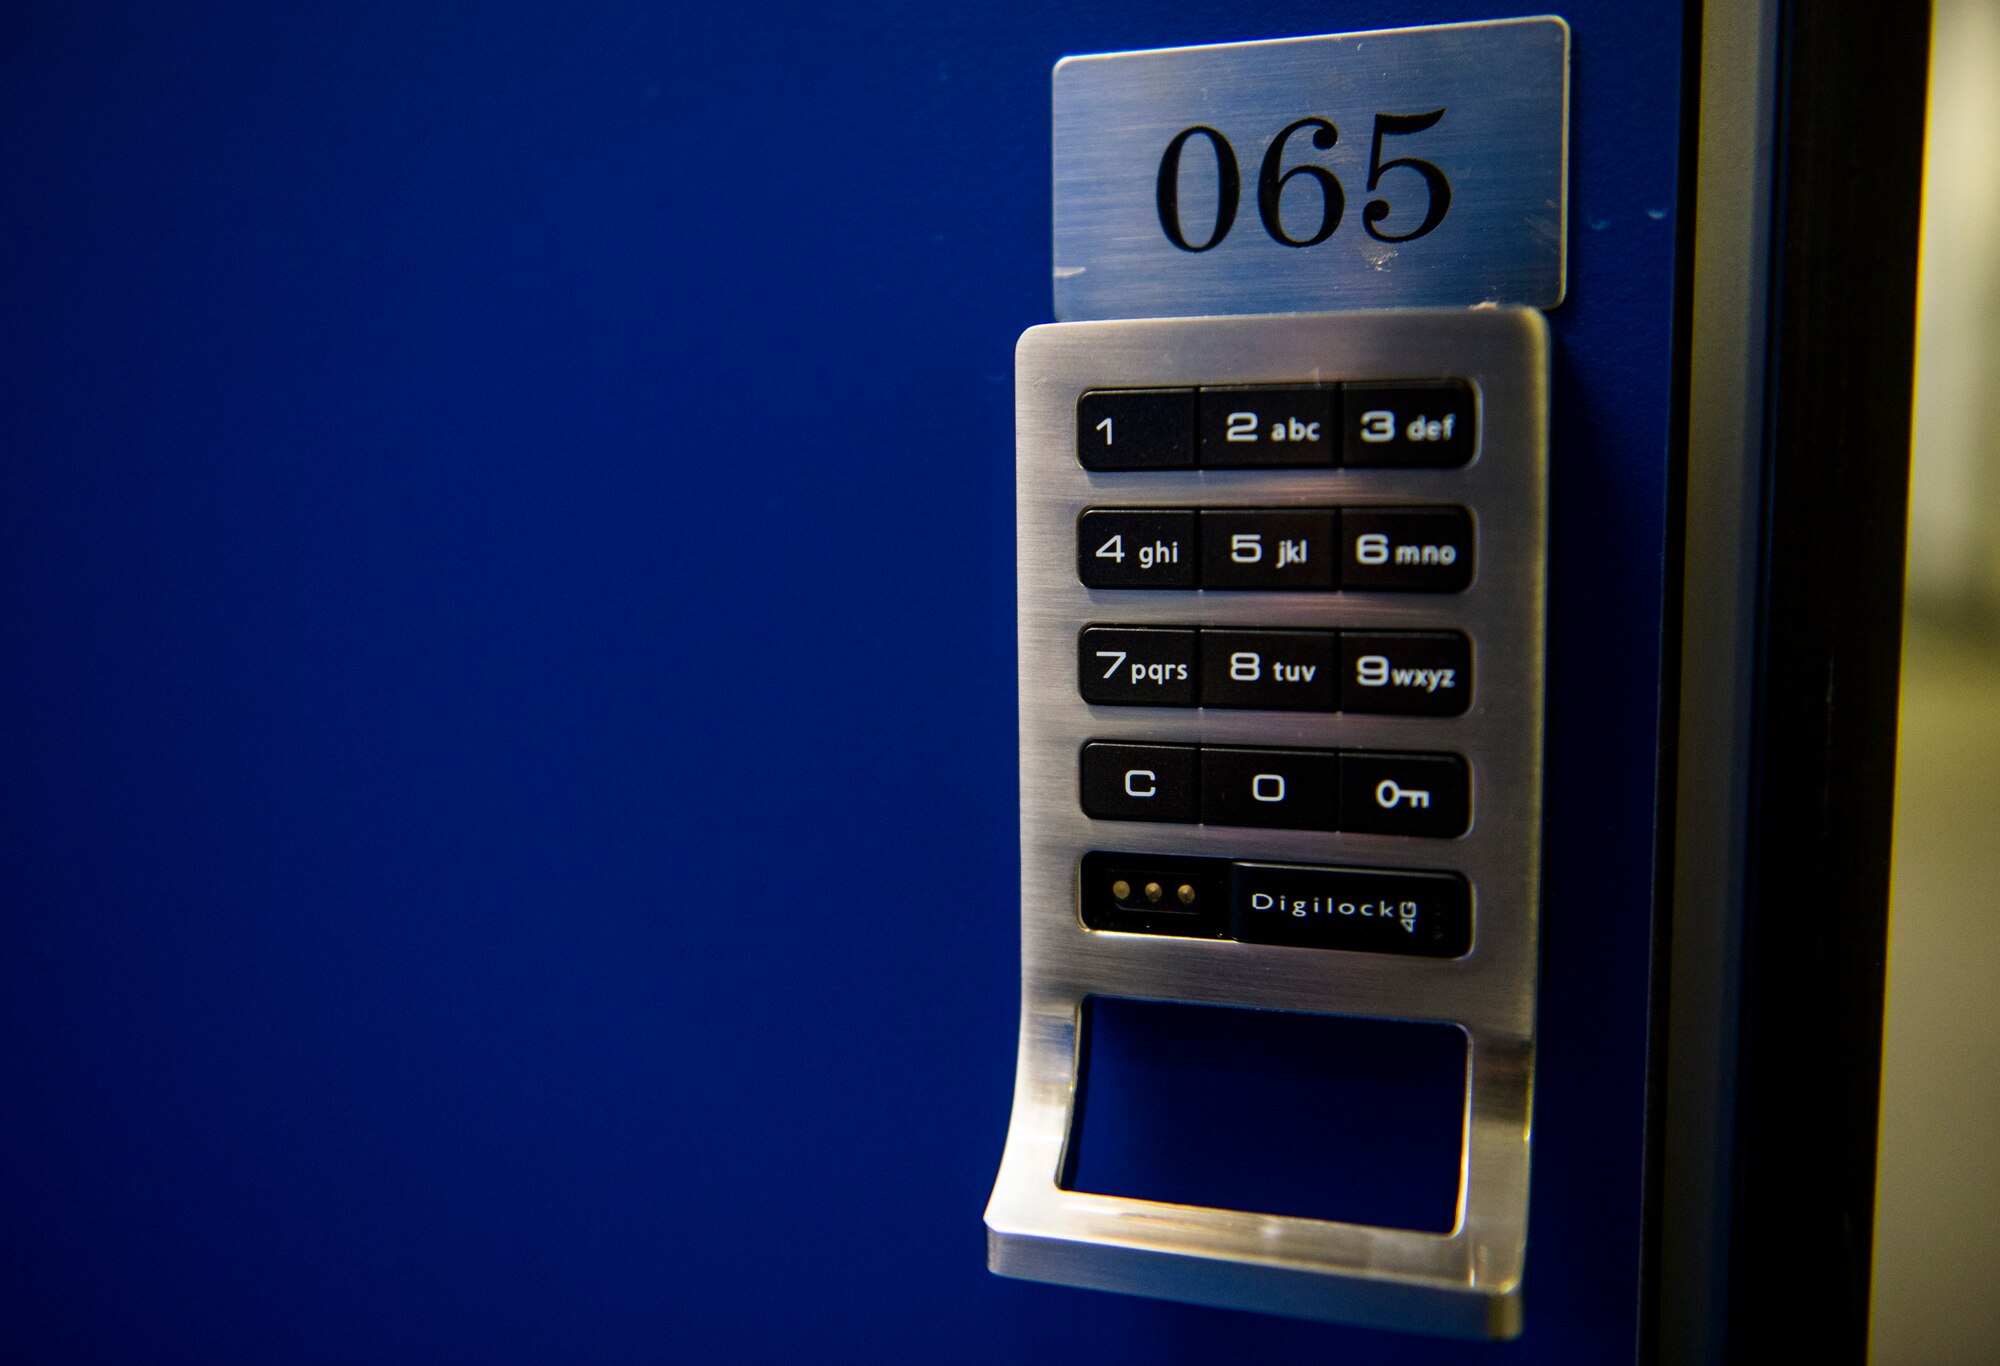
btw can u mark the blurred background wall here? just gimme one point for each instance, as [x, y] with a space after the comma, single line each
[1938, 1196]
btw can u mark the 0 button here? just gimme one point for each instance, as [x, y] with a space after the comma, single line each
[1287, 789]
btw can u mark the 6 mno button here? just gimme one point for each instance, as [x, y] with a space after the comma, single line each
[1406, 550]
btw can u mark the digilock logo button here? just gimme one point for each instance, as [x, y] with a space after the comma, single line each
[1300, 908]
[1366, 909]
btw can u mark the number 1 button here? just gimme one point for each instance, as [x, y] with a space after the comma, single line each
[1135, 429]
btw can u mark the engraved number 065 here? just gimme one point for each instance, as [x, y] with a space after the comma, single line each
[1272, 178]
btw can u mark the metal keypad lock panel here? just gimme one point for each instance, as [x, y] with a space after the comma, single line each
[1281, 647]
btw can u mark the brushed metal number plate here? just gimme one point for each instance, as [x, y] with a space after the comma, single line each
[1466, 1281]
[1420, 167]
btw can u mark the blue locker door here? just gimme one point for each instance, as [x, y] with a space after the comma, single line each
[507, 681]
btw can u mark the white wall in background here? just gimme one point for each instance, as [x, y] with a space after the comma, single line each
[1954, 567]
[1937, 1221]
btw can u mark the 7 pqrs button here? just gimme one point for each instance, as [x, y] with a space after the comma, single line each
[1136, 667]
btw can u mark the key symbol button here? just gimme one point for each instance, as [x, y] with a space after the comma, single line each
[1405, 794]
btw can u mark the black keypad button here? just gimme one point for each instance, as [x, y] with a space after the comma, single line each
[1405, 673]
[1288, 670]
[1405, 794]
[1135, 429]
[1425, 914]
[1266, 550]
[1425, 425]
[1268, 427]
[1140, 782]
[1134, 667]
[1293, 789]
[1415, 550]
[1148, 548]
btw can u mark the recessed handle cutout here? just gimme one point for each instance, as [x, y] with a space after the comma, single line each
[1270, 1112]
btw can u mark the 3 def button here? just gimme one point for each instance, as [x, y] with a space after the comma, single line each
[1407, 425]
[1425, 914]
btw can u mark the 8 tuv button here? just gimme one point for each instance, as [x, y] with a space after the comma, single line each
[1271, 670]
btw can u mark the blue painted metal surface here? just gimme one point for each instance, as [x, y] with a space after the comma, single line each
[506, 610]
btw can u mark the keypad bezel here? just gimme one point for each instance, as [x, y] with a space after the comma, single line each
[1488, 991]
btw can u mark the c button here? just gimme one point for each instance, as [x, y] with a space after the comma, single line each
[1139, 782]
